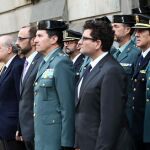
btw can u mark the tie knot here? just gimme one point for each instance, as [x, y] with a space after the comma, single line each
[25, 64]
[4, 68]
[87, 70]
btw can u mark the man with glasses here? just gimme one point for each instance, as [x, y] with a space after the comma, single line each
[53, 90]
[25, 43]
[101, 94]
[72, 48]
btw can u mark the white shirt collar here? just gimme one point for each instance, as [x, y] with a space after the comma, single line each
[94, 62]
[74, 59]
[9, 61]
[31, 57]
[145, 52]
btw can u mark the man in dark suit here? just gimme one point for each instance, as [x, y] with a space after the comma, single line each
[141, 110]
[101, 94]
[72, 48]
[9, 93]
[25, 43]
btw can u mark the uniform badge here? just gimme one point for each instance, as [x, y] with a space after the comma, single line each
[48, 73]
[143, 71]
[125, 64]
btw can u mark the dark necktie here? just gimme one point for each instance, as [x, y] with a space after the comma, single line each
[24, 69]
[86, 72]
[118, 53]
[3, 71]
[141, 59]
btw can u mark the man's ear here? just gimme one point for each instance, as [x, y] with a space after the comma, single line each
[32, 41]
[128, 29]
[54, 39]
[98, 44]
[9, 49]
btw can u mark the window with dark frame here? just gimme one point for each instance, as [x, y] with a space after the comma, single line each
[144, 2]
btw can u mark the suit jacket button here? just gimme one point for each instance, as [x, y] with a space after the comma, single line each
[134, 89]
[143, 79]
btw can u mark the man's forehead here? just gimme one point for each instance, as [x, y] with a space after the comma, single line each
[142, 30]
[117, 24]
[41, 32]
[24, 30]
[87, 31]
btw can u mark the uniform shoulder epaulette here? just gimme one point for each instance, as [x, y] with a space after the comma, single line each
[61, 54]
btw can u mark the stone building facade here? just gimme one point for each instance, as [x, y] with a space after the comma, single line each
[17, 13]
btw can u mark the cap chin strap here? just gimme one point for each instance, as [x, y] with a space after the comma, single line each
[142, 25]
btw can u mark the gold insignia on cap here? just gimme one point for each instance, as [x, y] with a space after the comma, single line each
[137, 19]
[65, 34]
[37, 23]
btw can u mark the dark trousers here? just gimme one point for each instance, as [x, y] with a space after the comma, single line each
[11, 145]
[29, 145]
[142, 146]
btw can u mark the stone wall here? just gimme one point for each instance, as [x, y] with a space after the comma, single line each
[17, 13]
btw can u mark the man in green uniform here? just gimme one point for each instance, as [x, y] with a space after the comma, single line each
[127, 52]
[53, 90]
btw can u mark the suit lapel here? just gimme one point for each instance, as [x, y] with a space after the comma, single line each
[124, 54]
[79, 60]
[92, 75]
[8, 69]
[31, 68]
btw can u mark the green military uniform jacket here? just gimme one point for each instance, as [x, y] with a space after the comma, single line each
[146, 135]
[54, 103]
[128, 59]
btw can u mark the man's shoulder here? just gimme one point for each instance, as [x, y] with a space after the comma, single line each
[17, 61]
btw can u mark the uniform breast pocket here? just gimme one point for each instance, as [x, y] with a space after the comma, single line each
[46, 89]
[46, 83]
[128, 69]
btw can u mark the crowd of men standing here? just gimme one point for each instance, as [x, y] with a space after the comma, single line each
[63, 90]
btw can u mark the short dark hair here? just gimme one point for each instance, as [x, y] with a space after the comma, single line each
[130, 26]
[32, 30]
[58, 33]
[101, 30]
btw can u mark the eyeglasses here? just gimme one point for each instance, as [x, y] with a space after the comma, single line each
[23, 38]
[83, 38]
